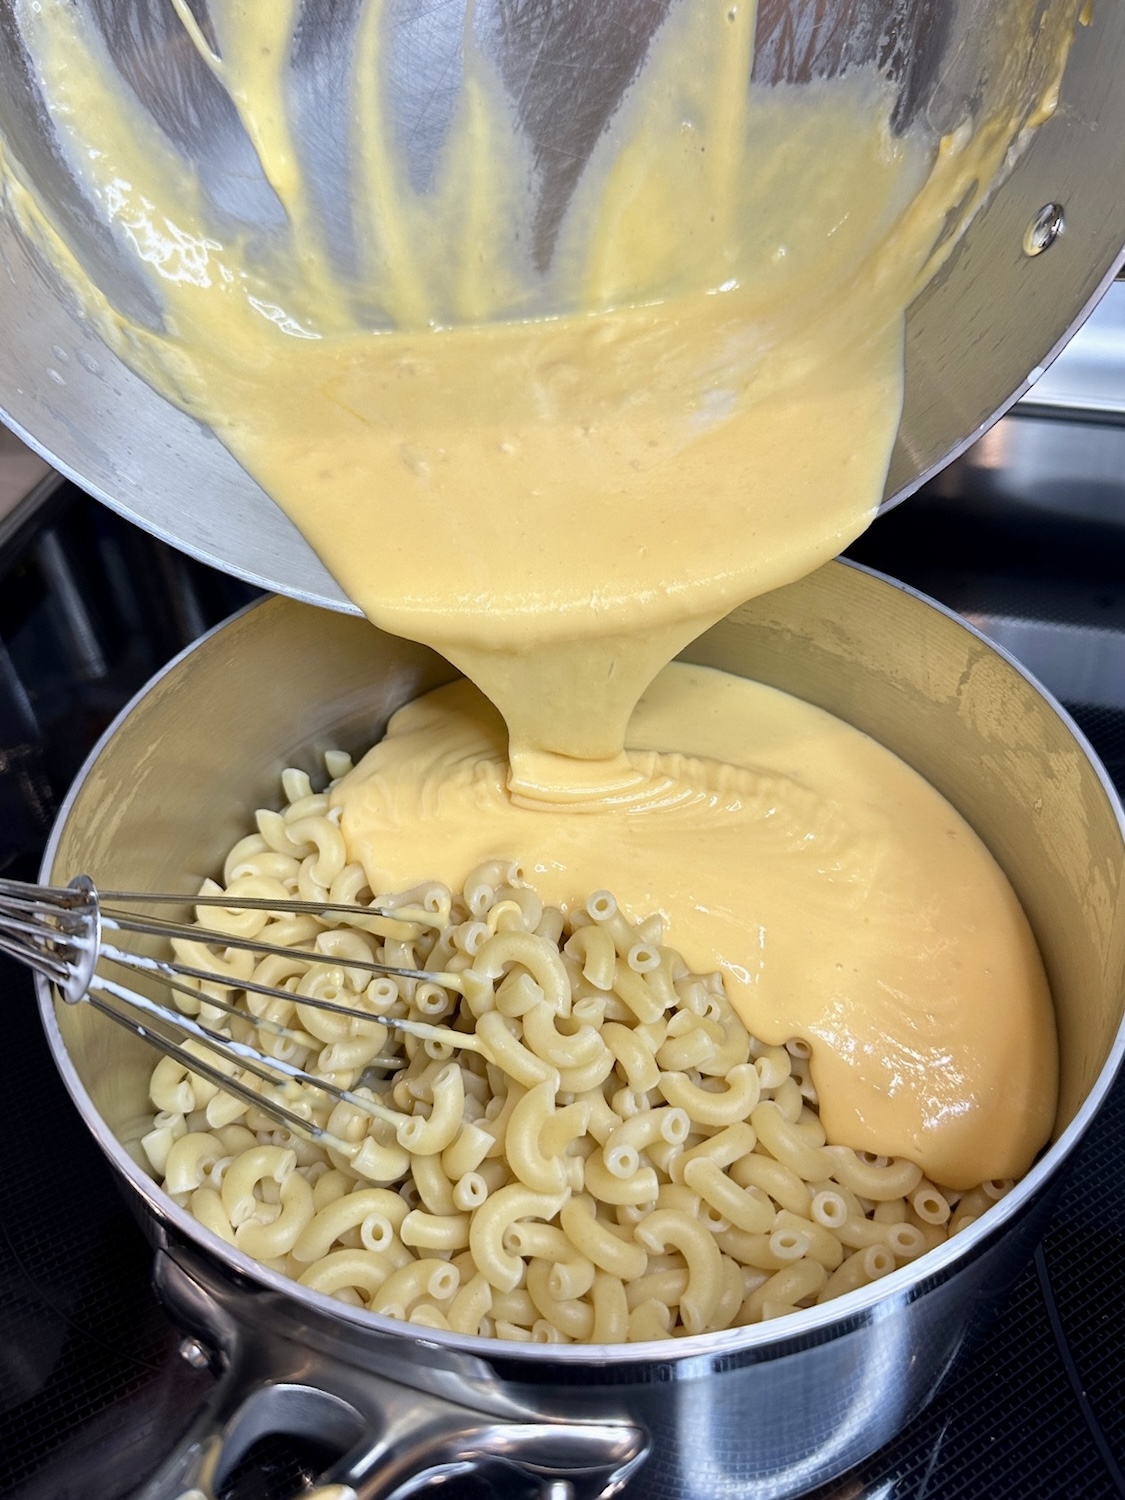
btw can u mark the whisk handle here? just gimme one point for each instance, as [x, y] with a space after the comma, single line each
[56, 931]
[87, 939]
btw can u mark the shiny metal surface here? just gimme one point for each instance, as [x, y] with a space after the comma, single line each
[994, 315]
[1089, 375]
[389, 1434]
[761, 1413]
[1061, 450]
[1035, 465]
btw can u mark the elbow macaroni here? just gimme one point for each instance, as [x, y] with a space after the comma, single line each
[579, 1141]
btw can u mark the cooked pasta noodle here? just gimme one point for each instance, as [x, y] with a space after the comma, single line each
[579, 1141]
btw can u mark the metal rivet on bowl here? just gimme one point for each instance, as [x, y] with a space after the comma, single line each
[194, 1353]
[1044, 229]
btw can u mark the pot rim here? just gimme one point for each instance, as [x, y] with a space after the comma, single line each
[767, 1339]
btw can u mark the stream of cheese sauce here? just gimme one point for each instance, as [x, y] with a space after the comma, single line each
[559, 469]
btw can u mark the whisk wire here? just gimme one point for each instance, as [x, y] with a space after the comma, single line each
[59, 932]
[114, 921]
[170, 973]
[414, 916]
[232, 1085]
[40, 958]
[136, 962]
[248, 1057]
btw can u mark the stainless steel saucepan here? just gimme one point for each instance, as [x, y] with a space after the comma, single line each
[759, 1413]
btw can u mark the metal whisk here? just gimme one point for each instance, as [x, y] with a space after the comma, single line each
[61, 933]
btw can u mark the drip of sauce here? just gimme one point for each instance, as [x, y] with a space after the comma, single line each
[559, 475]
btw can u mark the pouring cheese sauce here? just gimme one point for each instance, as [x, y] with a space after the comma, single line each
[559, 468]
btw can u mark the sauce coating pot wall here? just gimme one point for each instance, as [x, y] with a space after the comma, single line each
[974, 337]
[762, 1412]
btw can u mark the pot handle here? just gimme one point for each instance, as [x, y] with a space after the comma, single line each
[395, 1439]
[420, 1438]
[556, 1461]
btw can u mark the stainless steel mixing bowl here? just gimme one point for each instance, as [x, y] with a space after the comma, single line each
[974, 339]
[756, 1413]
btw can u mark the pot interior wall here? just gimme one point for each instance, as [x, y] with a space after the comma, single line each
[179, 780]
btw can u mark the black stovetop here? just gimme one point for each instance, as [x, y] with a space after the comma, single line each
[92, 1387]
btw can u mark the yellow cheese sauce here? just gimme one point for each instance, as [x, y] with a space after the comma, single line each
[842, 898]
[559, 473]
